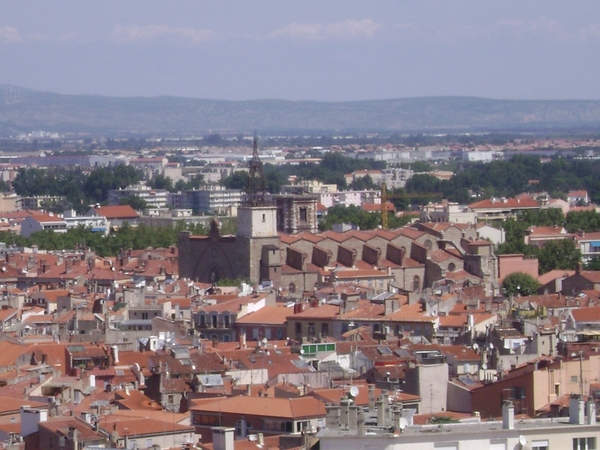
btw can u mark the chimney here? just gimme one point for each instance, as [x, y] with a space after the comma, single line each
[591, 413]
[391, 305]
[397, 413]
[371, 397]
[242, 340]
[223, 438]
[380, 412]
[331, 416]
[508, 415]
[579, 268]
[353, 417]
[576, 410]
[345, 413]
[73, 436]
[260, 439]
[360, 422]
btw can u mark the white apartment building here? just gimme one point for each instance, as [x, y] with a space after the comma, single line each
[352, 428]
[209, 200]
[155, 198]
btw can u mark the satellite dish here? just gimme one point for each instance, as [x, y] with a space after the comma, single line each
[491, 346]
[522, 440]
[302, 351]
[475, 346]
[403, 423]
[354, 391]
[484, 366]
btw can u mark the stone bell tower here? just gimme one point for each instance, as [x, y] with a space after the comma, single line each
[257, 226]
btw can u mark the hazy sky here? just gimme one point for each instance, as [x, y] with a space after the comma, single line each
[328, 50]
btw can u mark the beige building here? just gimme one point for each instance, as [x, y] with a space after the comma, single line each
[9, 201]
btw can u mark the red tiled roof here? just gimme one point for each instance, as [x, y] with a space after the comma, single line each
[522, 202]
[117, 212]
[586, 315]
[292, 408]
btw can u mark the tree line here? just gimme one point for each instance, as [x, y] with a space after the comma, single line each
[126, 237]
[80, 189]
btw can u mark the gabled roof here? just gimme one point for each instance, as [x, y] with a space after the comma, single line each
[586, 315]
[117, 212]
[267, 315]
[288, 408]
[521, 202]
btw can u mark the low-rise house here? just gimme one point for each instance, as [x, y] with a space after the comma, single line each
[250, 415]
[538, 236]
[503, 208]
[69, 433]
[117, 215]
[39, 221]
[142, 432]
[581, 280]
[269, 322]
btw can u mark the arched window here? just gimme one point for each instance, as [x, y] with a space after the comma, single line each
[416, 284]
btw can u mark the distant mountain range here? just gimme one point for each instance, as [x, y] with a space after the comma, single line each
[24, 110]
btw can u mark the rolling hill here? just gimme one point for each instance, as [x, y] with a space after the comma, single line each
[23, 110]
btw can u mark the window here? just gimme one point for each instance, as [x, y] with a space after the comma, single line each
[324, 329]
[298, 329]
[213, 320]
[539, 445]
[241, 428]
[416, 284]
[584, 443]
[574, 379]
[226, 320]
[311, 329]
[264, 218]
[303, 215]
[446, 446]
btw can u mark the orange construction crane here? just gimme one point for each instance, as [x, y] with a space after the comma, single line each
[385, 197]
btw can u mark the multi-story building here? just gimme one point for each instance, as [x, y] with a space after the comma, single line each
[350, 427]
[155, 198]
[40, 201]
[9, 201]
[589, 245]
[208, 200]
[503, 208]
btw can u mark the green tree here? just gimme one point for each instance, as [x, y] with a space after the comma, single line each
[161, 182]
[593, 264]
[519, 283]
[561, 254]
[137, 203]
[351, 215]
